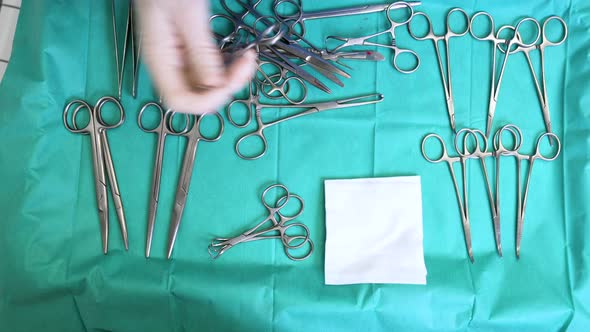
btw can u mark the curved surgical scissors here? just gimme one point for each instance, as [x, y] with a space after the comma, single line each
[541, 85]
[97, 129]
[161, 129]
[194, 135]
[503, 150]
[462, 199]
[279, 219]
[446, 38]
[363, 41]
[478, 150]
[512, 45]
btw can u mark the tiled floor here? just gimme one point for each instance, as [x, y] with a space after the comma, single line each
[8, 17]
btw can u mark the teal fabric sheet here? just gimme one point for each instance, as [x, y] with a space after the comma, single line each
[54, 277]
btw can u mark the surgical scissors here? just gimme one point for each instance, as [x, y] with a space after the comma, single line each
[97, 129]
[364, 41]
[463, 202]
[310, 109]
[541, 85]
[446, 38]
[512, 45]
[478, 150]
[194, 135]
[162, 129]
[503, 150]
[279, 217]
[299, 17]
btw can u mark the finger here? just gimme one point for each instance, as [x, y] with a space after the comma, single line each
[162, 49]
[241, 71]
[210, 100]
[203, 57]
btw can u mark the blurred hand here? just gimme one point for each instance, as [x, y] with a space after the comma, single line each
[184, 61]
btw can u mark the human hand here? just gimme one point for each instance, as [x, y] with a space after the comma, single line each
[184, 61]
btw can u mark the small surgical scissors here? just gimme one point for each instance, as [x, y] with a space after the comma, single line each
[463, 202]
[299, 17]
[97, 128]
[162, 129]
[478, 150]
[278, 215]
[501, 149]
[194, 135]
[364, 41]
[446, 38]
[541, 85]
[310, 109]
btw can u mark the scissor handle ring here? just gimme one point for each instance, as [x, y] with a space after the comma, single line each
[546, 41]
[450, 31]
[399, 5]
[465, 152]
[247, 104]
[157, 128]
[258, 134]
[268, 79]
[491, 36]
[286, 218]
[516, 134]
[397, 52]
[442, 143]
[429, 34]
[287, 239]
[169, 128]
[517, 33]
[298, 17]
[98, 112]
[234, 34]
[540, 155]
[197, 127]
[282, 201]
[503, 44]
[299, 258]
[79, 104]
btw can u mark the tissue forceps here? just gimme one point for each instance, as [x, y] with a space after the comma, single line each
[278, 219]
[102, 159]
[512, 45]
[258, 133]
[478, 150]
[162, 129]
[299, 17]
[446, 38]
[393, 24]
[541, 85]
[502, 150]
[130, 42]
[463, 202]
[194, 135]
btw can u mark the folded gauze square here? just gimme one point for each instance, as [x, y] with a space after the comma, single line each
[374, 231]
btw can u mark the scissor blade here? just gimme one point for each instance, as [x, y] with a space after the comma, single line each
[362, 55]
[354, 10]
[491, 111]
[311, 58]
[496, 220]
[110, 169]
[181, 193]
[328, 75]
[293, 68]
